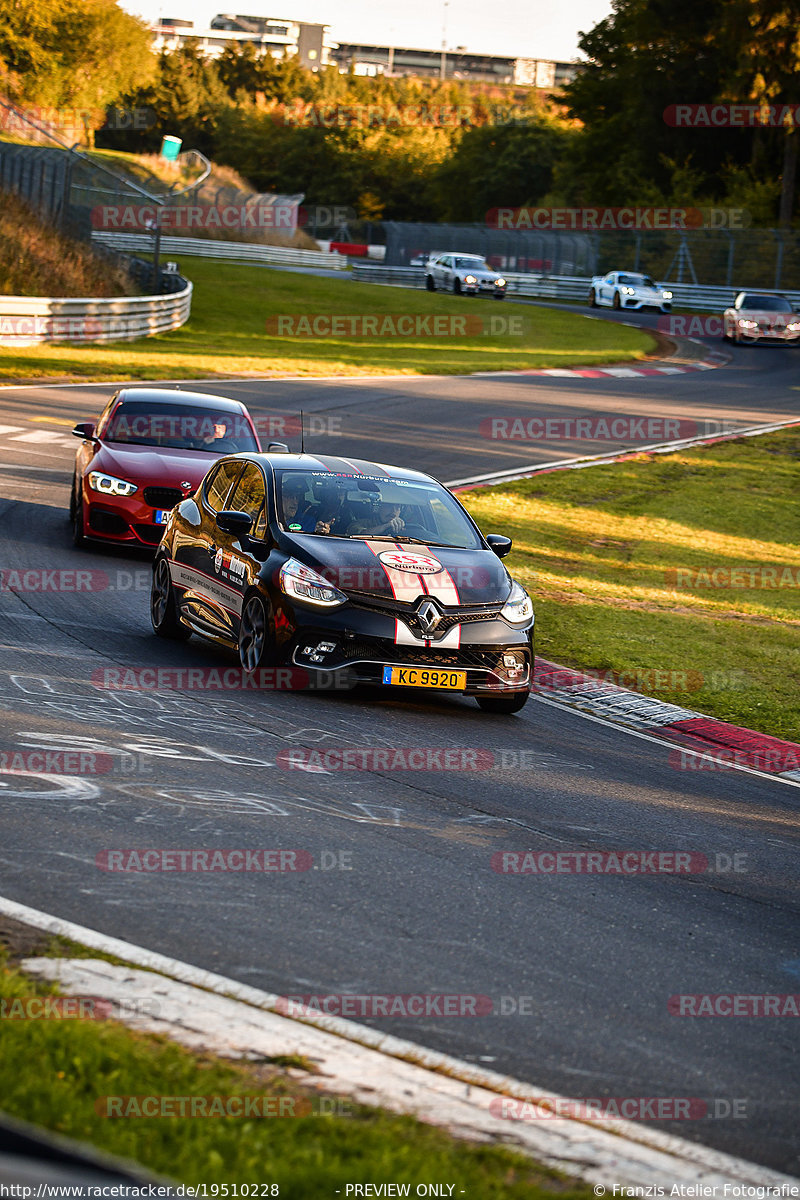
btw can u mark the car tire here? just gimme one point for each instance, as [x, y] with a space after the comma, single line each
[256, 642]
[76, 513]
[592, 299]
[429, 283]
[503, 705]
[457, 286]
[617, 301]
[163, 609]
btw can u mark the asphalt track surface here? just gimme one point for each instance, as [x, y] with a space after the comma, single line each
[579, 968]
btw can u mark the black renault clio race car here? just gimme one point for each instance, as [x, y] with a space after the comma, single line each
[333, 565]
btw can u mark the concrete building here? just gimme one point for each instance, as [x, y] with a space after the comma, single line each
[452, 64]
[271, 35]
[282, 37]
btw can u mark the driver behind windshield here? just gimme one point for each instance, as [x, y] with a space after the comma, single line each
[293, 502]
[218, 437]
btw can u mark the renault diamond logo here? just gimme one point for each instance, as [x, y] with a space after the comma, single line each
[428, 616]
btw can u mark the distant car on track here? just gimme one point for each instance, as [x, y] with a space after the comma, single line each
[467, 274]
[327, 565]
[756, 316]
[628, 289]
[149, 449]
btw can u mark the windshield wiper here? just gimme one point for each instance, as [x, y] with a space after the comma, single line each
[391, 537]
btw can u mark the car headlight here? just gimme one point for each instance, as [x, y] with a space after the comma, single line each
[793, 327]
[500, 282]
[470, 279]
[109, 485]
[745, 324]
[518, 608]
[667, 295]
[628, 291]
[300, 581]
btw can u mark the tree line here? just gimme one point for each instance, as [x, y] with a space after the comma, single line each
[421, 149]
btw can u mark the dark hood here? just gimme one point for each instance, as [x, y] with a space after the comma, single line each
[466, 577]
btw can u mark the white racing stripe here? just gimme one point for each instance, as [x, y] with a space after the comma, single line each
[405, 585]
[403, 636]
[441, 584]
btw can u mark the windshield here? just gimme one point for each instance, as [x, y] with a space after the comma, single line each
[178, 427]
[367, 506]
[637, 280]
[767, 303]
[471, 264]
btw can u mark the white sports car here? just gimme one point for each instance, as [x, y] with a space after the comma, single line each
[464, 273]
[755, 317]
[627, 289]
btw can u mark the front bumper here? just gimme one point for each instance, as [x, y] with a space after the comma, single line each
[768, 335]
[128, 521]
[483, 289]
[632, 302]
[363, 642]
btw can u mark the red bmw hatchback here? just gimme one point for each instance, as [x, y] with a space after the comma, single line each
[150, 449]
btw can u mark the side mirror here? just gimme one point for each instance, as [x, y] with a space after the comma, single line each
[501, 545]
[231, 521]
[85, 430]
[277, 448]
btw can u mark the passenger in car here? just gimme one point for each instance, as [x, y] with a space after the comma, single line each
[387, 520]
[330, 515]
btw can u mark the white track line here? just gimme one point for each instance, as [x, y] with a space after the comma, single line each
[664, 743]
[395, 1072]
[590, 460]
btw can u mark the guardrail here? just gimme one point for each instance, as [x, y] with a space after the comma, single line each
[695, 297]
[31, 320]
[232, 251]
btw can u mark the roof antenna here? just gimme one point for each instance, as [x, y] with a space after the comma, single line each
[302, 434]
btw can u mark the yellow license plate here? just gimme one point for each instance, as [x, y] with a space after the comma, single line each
[425, 677]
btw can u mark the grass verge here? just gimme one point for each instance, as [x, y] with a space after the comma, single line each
[226, 335]
[620, 562]
[79, 1061]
